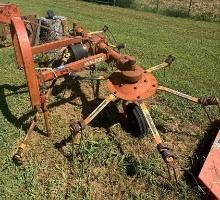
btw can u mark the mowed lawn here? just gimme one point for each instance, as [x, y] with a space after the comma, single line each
[98, 170]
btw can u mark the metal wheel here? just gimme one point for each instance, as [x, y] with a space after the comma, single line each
[136, 121]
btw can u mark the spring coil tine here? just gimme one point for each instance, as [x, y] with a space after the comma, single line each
[206, 101]
[170, 166]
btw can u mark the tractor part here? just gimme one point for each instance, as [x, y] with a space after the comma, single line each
[78, 51]
[168, 156]
[165, 152]
[209, 176]
[136, 121]
[151, 124]
[142, 89]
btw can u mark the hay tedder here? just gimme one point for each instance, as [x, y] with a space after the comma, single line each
[75, 50]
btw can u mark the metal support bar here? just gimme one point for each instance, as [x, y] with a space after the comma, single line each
[166, 154]
[95, 32]
[169, 60]
[204, 101]
[49, 91]
[23, 45]
[46, 119]
[180, 94]
[76, 127]
[55, 44]
[73, 67]
[157, 67]
[99, 109]
[151, 124]
[92, 78]
[45, 109]
[20, 151]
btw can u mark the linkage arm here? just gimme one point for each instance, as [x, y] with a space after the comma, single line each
[177, 93]
[169, 60]
[205, 101]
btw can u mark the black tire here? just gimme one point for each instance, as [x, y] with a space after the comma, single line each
[136, 121]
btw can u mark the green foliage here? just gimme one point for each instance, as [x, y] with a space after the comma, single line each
[125, 3]
[120, 3]
[175, 12]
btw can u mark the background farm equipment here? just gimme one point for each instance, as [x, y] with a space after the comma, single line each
[79, 50]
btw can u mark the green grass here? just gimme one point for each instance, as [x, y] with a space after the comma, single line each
[199, 10]
[98, 169]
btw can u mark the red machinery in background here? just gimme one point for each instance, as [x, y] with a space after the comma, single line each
[83, 50]
[209, 176]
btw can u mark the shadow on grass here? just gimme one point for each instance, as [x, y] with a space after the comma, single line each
[2, 46]
[109, 116]
[106, 118]
[21, 121]
[200, 154]
[18, 122]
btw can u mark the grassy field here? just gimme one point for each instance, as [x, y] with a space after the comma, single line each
[99, 169]
[202, 10]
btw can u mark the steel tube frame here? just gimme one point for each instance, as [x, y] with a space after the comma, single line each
[73, 67]
[55, 44]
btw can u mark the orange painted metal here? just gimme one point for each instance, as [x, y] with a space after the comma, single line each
[209, 176]
[56, 44]
[25, 51]
[7, 11]
[130, 83]
[17, 49]
[145, 88]
[72, 67]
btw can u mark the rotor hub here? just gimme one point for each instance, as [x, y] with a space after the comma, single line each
[132, 76]
[144, 88]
